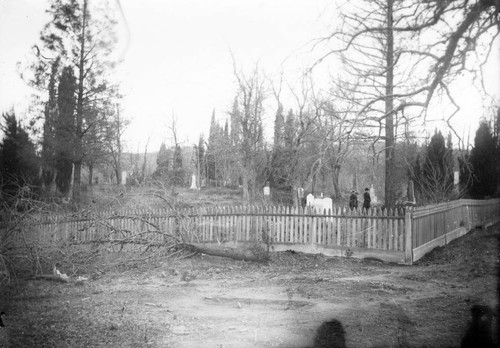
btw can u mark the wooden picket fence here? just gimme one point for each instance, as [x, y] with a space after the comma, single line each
[400, 235]
[437, 225]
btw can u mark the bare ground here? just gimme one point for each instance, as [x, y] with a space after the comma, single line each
[214, 302]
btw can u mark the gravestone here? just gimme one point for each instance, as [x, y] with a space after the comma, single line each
[124, 177]
[267, 190]
[372, 195]
[193, 183]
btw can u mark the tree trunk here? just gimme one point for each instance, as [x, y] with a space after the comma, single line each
[70, 191]
[295, 194]
[51, 187]
[253, 186]
[118, 175]
[144, 163]
[118, 157]
[77, 177]
[91, 173]
[237, 254]
[335, 180]
[79, 113]
[313, 179]
[246, 193]
[389, 108]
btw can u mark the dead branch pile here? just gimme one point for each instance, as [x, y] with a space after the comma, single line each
[34, 241]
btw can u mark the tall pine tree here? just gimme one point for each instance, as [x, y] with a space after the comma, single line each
[163, 163]
[278, 156]
[178, 170]
[80, 33]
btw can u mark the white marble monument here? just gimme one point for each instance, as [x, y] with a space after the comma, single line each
[193, 183]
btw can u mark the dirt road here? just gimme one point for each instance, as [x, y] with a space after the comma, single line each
[214, 302]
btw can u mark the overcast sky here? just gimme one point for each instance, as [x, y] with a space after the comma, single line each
[179, 54]
[177, 58]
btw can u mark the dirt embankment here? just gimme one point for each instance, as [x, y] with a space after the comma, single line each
[215, 302]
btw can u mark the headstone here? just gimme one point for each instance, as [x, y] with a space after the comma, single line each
[309, 199]
[372, 195]
[124, 177]
[267, 191]
[193, 183]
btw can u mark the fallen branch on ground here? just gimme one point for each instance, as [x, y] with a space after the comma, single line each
[237, 254]
[51, 277]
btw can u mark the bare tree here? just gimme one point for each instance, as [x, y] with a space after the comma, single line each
[338, 136]
[294, 130]
[317, 138]
[400, 54]
[144, 162]
[249, 141]
[115, 129]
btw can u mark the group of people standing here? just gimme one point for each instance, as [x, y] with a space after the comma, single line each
[353, 200]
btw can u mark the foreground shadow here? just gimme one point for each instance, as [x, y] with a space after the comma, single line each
[330, 334]
[479, 332]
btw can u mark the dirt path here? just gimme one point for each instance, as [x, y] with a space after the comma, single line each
[214, 302]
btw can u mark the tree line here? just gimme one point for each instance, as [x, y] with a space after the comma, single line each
[75, 117]
[389, 78]
[442, 173]
[397, 58]
[323, 159]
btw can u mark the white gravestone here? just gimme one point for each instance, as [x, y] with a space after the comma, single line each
[309, 199]
[267, 191]
[372, 195]
[124, 177]
[193, 183]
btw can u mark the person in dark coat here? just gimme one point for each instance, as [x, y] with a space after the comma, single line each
[366, 199]
[353, 200]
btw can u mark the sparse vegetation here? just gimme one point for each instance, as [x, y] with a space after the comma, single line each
[242, 304]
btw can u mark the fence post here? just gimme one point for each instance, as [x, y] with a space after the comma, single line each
[409, 224]
[408, 234]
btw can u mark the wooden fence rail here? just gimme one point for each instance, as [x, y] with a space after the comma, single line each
[400, 235]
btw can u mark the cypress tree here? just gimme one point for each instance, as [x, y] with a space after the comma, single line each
[48, 137]
[484, 158]
[19, 163]
[65, 129]
[162, 162]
